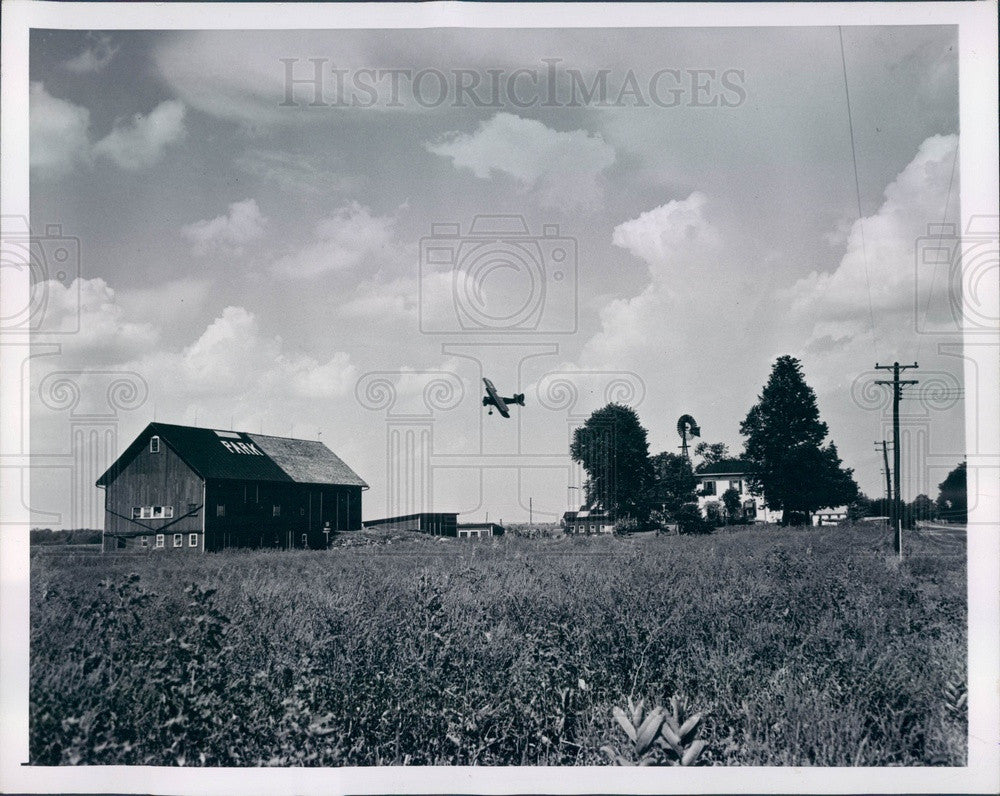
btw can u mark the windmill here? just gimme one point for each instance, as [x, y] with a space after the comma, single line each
[687, 428]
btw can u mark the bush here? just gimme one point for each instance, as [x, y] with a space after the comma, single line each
[690, 521]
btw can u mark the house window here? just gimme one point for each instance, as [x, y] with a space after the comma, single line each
[276, 511]
[220, 510]
[159, 540]
[178, 540]
[154, 444]
[192, 540]
[709, 488]
[143, 541]
[738, 485]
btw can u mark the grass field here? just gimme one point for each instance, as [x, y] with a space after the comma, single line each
[797, 647]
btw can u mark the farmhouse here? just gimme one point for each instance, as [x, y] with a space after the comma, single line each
[433, 523]
[589, 519]
[716, 478]
[187, 489]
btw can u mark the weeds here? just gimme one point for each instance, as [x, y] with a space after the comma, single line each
[524, 651]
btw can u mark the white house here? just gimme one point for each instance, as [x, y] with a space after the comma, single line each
[714, 479]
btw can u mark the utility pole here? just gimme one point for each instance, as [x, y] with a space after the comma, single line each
[897, 396]
[888, 486]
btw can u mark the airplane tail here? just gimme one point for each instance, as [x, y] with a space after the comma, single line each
[518, 399]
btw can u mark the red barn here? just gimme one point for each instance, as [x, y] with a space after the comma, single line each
[186, 489]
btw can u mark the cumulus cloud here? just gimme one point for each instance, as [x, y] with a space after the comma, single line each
[560, 168]
[351, 236]
[879, 259]
[88, 321]
[97, 55]
[228, 233]
[141, 141]
[59, 133]
[234, 356]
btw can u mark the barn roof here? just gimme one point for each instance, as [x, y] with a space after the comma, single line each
[241, 456]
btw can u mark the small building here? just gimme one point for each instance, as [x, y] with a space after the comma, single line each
[433, 523]
[479, 530]
[188, 489]
[716, 478]
[830, 516]
[589, 519]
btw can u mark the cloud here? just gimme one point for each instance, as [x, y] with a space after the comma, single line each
[95, 57]
[351, 236]
[91, 324]
[293, 173]
[560, 168]
[234, 357]
[142, 141]
[227, 234]
[661, 236]
[59, 133]
[879, 259]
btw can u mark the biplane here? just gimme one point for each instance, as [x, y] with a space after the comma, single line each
[494, 399]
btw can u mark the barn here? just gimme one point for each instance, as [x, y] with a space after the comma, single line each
[192, 490]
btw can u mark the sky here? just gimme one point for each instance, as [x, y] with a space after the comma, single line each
[277, 232]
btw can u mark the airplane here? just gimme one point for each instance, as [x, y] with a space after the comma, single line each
[492, 398]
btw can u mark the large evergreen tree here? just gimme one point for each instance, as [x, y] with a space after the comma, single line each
[612, 447]
[784, 447]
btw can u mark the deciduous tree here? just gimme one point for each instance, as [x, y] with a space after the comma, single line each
[613, 449]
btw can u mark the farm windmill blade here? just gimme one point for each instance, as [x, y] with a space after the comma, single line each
[687, 428]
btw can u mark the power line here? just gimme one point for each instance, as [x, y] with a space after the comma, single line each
[857, 190]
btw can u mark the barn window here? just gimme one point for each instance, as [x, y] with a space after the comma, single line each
[591, 528]
[154, 444]
[143, 541]
[159, 540]
[192, 508]
[192, 540]
[220, 510]
[136, 512]
[178, 540]
[276, 511]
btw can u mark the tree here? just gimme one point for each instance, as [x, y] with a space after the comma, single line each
[922, 508]
[785, 451]
[953, 499]
[711, 453]
[673, 484]
[690, 521]
[611, 445]
[713, 513]
[731, 500]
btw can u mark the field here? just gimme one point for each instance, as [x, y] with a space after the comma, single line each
[796, 647]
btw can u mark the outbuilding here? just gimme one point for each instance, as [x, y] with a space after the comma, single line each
[188, 489]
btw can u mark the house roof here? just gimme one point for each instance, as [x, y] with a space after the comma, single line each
[725, 467]
[241, 456]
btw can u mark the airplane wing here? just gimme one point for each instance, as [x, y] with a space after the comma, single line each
[492, 398]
